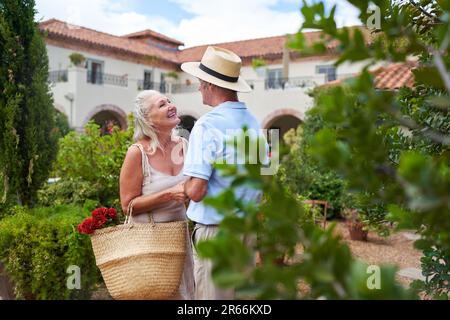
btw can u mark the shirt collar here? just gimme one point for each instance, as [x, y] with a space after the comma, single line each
[232, 105]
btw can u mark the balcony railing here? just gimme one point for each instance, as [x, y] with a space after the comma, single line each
[286, 83]
[150, 85]
[184, 88]
[57, 76]
[103, 78]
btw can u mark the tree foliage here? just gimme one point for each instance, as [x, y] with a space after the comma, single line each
[391, 146]
[88, 165]
[394, 145]
[27, 140]
[295, 252]
[303, 176]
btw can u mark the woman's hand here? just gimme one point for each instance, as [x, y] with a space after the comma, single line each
[176, 193]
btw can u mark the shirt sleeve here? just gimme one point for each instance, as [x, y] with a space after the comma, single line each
[201, 153]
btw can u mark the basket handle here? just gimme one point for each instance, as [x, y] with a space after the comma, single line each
[129, 216]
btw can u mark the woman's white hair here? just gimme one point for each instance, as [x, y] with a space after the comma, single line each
[143, 126]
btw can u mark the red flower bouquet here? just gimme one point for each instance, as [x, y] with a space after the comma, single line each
[100, 218]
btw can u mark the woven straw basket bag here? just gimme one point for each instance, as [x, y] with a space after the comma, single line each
[141, 261]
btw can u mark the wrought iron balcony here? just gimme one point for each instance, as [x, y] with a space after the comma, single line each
[150, 85]
[184, 88]
[286, 83]
[103, 78]
[58, 76]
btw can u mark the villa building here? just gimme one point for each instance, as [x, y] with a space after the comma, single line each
[116, 68]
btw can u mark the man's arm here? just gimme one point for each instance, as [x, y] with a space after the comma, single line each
[196, 189]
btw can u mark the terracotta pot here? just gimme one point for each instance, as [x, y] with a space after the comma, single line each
[357, 232]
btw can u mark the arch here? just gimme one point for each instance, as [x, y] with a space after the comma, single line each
[110, 112]
[272, 117]
[283, 120]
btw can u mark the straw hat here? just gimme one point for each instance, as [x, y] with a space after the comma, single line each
[219, 66]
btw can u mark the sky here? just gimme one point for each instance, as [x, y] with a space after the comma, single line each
[194, 22]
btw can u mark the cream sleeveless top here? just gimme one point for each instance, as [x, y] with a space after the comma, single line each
[155, 181]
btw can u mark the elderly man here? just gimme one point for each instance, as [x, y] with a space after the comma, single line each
[220, 81]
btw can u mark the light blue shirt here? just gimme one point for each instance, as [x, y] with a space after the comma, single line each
[206, 145]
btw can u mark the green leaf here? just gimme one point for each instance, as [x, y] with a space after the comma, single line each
[429, 76]
[228, 279]
[442, 102]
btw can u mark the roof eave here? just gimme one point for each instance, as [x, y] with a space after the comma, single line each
[57, 36]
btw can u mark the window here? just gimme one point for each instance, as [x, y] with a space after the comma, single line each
[274, 79]
[148, 83]
[95, 71]
[328, 70]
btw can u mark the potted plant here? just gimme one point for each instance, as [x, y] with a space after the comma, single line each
[357, 228]
[170, 79]
[77, 59]
[172, 75]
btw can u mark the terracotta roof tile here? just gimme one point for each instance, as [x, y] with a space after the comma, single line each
[60, 29]
[262, 47]
[154, 34]
[269, 48]
[245, 48]
[395, 76]
[391, 77]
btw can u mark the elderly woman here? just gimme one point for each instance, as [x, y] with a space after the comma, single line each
[152, 175]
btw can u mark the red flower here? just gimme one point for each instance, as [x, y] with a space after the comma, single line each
[87, 226]
[99, 218]
[112, 213]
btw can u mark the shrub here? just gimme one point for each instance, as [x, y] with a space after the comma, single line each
[62, 127]
[394, 145]
[305, 177]
[68, 191]
[89, 167]
[282, 225]
[38, 245]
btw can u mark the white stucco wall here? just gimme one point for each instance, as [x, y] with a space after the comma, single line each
[262, 102]
[59, 60]
[89, 96]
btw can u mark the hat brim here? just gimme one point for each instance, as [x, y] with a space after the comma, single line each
[193, 69]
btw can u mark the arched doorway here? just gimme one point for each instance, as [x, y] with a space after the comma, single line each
[283, 120]
[284, 124]
[108, 116]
